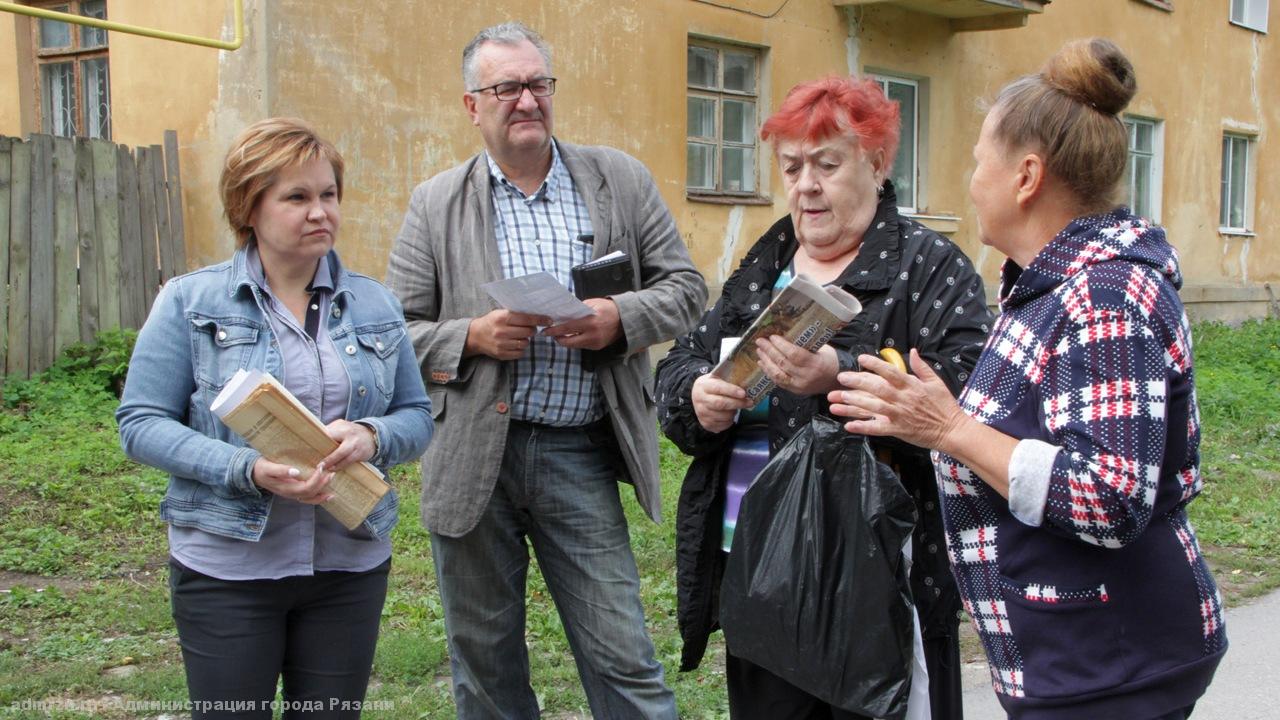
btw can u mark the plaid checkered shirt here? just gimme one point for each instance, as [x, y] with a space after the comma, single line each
[539, 233]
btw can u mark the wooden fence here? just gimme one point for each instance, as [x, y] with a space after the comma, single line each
[89, 230]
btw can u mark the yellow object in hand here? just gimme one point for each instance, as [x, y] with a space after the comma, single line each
[894, 358]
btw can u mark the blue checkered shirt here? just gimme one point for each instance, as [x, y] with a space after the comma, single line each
[539, 233]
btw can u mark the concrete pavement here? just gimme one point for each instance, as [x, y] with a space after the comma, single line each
[1246, 686]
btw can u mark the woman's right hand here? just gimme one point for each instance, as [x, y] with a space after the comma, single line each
[717, 402]
[287, 481]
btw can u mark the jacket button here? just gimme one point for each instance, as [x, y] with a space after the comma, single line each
[501, 407]
[222, 334]
[351, 349]
[361, 391]
[336, 311]
[378, 344]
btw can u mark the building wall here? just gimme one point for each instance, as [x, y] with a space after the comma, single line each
[382, 80]
[1196, 72]
[158, 85]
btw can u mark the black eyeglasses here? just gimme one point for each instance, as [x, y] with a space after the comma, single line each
[512, 90]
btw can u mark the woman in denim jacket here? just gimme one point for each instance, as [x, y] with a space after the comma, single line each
[262, 582]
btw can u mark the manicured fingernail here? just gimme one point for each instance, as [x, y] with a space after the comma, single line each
[294, 472]
[320, 466]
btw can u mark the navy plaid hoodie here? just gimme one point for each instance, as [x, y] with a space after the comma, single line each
[1087, 586]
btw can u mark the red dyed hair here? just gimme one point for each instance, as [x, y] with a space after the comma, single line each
[821, 108]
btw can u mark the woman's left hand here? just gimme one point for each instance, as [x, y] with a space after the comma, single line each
[795, 369]
[886, 401]
[356, 444]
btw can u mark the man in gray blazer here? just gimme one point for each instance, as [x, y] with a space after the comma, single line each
[530, 440]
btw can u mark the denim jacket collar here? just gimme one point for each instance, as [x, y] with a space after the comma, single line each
[241, 277]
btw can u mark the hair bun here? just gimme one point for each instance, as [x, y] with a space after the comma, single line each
[1093, 71]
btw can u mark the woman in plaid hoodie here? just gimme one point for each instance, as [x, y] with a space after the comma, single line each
[1067, 464]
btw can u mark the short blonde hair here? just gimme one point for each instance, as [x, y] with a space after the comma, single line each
[255, 160]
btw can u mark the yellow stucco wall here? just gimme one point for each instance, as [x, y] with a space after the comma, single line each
[1196, 72]
[381, 78]
[10, 95]
[394, 106]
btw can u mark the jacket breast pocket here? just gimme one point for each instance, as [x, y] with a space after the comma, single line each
[1070, 639]
[220, 347]
[380, 345]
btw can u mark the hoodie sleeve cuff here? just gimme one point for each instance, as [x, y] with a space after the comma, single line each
[1030, 469]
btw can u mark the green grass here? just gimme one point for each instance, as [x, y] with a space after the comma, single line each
[85, 624]
[1238, 516]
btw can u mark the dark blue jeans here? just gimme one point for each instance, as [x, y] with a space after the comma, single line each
[239, 637]
[557, 490]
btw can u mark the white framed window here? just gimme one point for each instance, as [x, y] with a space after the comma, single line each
[1250, 13]
[906, 164]
[722, 144]
[73, 77]
[1146, 166]
[1236, 214]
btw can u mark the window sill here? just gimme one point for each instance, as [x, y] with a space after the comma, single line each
[727, 199]
[1248, 27]
[1237, 232]
[945, 224]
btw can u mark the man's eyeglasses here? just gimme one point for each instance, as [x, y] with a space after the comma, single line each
[512, 90]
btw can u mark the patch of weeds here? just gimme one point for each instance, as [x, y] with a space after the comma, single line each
[408, 657]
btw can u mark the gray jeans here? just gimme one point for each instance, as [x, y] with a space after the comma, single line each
[557, 490]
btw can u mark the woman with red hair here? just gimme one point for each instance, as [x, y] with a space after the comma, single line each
[834, 141]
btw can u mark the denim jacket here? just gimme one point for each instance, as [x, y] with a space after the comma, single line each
[209, 323]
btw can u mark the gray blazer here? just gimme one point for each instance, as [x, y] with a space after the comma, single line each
[446, 250]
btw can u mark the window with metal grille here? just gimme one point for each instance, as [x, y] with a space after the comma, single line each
[73, 77]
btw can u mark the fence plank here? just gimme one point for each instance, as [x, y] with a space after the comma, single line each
[17, 361]
[173, 184]
[42, 290]
[66, 321]
[5, 187]
[106, 207]
[131, 294]
[88, 248]
[170, 260]
[147, 195]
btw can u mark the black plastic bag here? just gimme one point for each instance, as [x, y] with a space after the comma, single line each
[816, 589]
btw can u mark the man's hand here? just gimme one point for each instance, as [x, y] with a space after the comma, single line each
[590, 333]
[502, 334]
[716, 402]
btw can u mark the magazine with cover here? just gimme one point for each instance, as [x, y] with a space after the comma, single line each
[804, 312]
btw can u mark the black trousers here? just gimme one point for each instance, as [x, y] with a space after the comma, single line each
[239, 637]
[946, 690]
[757, 693]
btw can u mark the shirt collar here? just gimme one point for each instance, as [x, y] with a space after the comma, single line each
[550, 186]
[323, 279]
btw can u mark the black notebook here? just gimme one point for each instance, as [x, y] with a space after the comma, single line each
[602, 277]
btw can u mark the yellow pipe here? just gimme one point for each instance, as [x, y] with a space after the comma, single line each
[136, 29]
